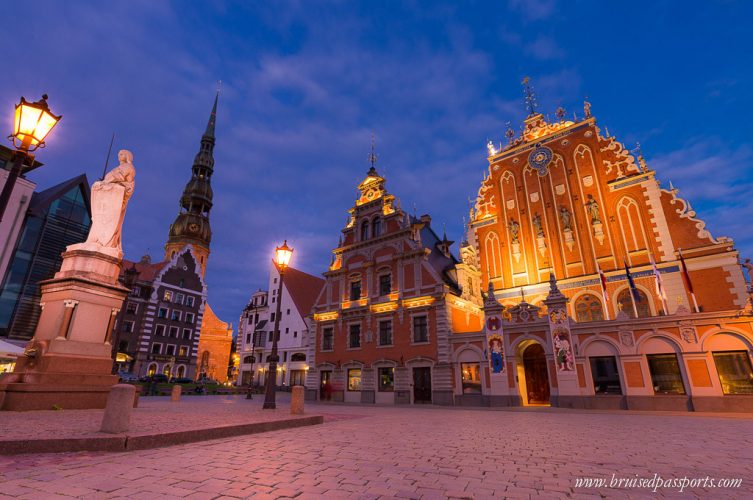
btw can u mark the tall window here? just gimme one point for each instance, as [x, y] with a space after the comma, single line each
[385, 284]
[355, 290]
[168, 296]
[152, 369]
[131, 308]
[328, 337]
[735, 372]
[470, 376]
[156, 348]
[179, 298]
[364, 230]
[354, 337]
[170, 350]
[376, 227]
[420, 329]
[186, 333]
[189, 301]
[354, 379]
[162, 313]
[175, 316]
[625, 300]
[386, 379]
[491, 245]
[128, 326]
[588, 308]
[665, 374]
[261, 339]
[159, 330]
[605, 375]
[183, 351]
[174, 332]
[385, 332]
[631, 224]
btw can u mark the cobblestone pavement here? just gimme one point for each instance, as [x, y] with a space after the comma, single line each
[412, 452]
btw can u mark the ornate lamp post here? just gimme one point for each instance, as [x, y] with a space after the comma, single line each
[282, 259]
[32, 122]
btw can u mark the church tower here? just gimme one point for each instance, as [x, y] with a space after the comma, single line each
[192, 224]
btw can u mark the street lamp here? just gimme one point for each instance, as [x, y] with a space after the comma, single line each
[32, 122]
[282, 259]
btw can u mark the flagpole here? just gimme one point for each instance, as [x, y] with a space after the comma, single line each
[688, 284]
[659, 285]
[631, 287]
[603, 282]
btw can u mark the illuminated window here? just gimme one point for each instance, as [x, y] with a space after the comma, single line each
[385, 332]
[385, 284]
[605, 375]
[183, 351]
[625, 300]
[152, 369]
[470, 375]
[328, 339]
[665, 374]
[386, 379]
[588, 308]
[354, 337]
[168, 296]
[354, 379]
[735, 372]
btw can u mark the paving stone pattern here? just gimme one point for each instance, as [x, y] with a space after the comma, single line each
[412, 452]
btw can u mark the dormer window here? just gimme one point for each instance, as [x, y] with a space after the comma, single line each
[364, 230]
[376, 227]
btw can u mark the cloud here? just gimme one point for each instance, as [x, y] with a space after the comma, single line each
[534, 10]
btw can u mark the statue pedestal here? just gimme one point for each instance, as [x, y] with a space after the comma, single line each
[68, 363]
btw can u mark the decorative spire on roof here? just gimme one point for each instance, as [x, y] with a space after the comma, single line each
[373, 156]
[530, 96]
[209, 132]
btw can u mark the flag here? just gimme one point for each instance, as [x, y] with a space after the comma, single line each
[604, 295]
[686, 279]
[633, 289]
[659, 284]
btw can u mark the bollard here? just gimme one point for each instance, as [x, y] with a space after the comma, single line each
[136, 395]
[175, 395]
[117, 416]
[296, 401]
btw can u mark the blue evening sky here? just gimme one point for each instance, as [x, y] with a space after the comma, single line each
[305, 84]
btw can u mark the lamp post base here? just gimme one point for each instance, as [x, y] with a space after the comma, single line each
[269, 405]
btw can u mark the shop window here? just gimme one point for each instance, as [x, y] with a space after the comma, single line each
[605, 375]
[328, 339]
[735, 372]
[152, 369]
[588, 308]
[665, 374]
[354, 379]
[470, 375]
[386, 379]
[385, 333]
[385, 284]
[354, 337]
[297, 377]
[420, 329]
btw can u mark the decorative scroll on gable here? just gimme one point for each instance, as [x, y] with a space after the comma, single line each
[622, 161]
[685, 211]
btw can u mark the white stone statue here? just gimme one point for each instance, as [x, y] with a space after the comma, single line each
[109, 199]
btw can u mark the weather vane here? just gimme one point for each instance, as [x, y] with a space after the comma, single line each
[530, 96]
[373, 155]
[509, 133]
[219, 86]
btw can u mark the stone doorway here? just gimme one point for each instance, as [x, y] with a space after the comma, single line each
[536, 388]
[325, 385]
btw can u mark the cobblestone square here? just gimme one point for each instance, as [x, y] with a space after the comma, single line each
[413, 452]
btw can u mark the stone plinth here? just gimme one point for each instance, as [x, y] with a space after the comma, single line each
[68, 363]
[296, 400]
[117, 417]
[175, 395]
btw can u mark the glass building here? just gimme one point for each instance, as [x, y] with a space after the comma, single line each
[57, 217]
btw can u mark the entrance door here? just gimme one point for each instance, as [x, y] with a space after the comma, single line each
[537, 383]
[422, 385]
[325, 386]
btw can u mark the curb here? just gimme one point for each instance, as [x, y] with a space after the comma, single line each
[146, 441]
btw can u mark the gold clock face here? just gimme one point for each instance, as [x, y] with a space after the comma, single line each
[193, 227]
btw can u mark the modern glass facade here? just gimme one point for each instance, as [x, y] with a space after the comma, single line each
[57, 217]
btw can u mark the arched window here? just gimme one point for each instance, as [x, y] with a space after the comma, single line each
[181, 371]
[491, 246]
[167, 370]
[299, 356]
[588, 308]
[376, 227]
[364, 230]
[631, 224]
[248, 359]
[625, 302]
[152, 369]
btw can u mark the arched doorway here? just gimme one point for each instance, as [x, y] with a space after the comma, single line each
[536, 375]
